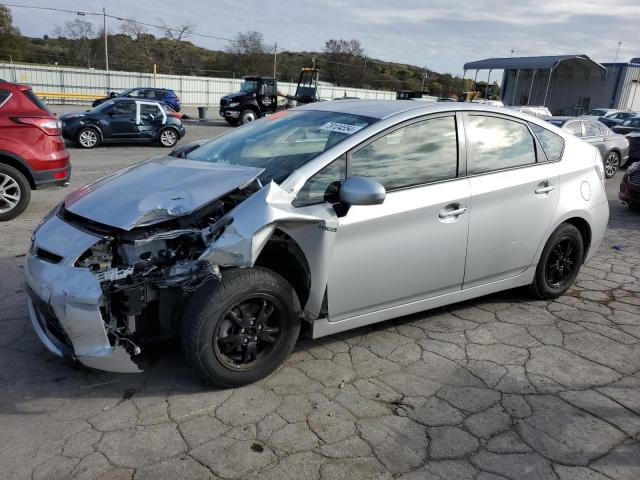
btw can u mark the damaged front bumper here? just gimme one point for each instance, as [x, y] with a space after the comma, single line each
[64, 301]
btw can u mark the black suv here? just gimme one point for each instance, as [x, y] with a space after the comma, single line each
[123, 119]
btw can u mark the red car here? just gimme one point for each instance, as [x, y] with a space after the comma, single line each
[32, 152]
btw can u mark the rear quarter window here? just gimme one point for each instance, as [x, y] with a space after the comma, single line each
[4, 95]
[36, 100]
[552, 144]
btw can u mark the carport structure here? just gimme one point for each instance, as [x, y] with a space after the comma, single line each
[559, 82]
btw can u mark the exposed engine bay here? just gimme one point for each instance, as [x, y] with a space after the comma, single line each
[148, 274]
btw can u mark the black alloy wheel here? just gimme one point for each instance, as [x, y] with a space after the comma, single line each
[561, 262]
[249, 332]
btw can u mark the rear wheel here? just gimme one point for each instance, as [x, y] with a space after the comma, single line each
[15, 193]
[559, 263]
[240, 329]
[168, 137]
[248, 116]
[88, 138]
[611, 164]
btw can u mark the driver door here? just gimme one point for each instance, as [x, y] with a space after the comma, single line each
[413, 245]
[122, 119]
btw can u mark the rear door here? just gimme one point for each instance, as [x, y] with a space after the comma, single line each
[514, 195]
[150, 117]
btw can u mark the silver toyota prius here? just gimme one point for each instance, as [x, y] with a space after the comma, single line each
[317, 220]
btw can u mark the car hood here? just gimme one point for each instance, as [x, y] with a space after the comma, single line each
[156, 190]
[72, 115]
[238, 96]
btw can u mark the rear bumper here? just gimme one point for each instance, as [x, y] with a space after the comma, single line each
[52, 178]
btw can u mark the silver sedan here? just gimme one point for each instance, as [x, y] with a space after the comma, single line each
[613, 147]
[318, 219]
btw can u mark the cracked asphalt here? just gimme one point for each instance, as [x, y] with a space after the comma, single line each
[502, 387]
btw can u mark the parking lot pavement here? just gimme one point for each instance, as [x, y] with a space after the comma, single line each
[499, 387]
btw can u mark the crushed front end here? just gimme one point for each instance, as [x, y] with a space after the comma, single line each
[99, 293]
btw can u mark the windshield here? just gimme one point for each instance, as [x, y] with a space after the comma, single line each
[597, 113]
[632, 122]
[282, 142]
[249, 86]
[102, 107]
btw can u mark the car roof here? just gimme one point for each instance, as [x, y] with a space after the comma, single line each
[129, 99]
[386, 108]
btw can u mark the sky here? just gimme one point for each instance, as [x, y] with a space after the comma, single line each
[439, 34]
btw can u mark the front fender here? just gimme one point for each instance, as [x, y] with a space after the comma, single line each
[254, 222]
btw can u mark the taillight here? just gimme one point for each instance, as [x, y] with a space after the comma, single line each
[49, 126]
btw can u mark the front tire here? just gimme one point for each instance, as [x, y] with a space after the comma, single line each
[611, 164]
[240, 329]
[559, 262]
[88, 138]
[248, 116]
[15, 193]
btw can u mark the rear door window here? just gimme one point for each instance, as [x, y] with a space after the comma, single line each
[498, 143]
[575, 128]
[591, 129]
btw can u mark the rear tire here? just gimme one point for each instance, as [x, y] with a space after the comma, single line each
[248, 116]
[240, 329]
[168, 137]
[88, 137]
[559, 262]
[15, 193]
[611, 164]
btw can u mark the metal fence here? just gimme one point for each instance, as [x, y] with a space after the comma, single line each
[200, 91]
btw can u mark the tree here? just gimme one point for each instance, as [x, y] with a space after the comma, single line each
[345, 61]
[82, 33]
[141, 37]
[11, 40]
[251, 50]
[176, 35]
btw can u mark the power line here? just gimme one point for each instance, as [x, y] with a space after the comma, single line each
[126, 19]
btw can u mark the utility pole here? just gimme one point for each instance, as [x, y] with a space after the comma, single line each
[364, 71]
[424, 77]
[275, 58]
[313, 61]
[617, 51]
[106, 47]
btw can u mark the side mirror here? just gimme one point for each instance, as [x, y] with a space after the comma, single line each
[113, 94]
[362, 191]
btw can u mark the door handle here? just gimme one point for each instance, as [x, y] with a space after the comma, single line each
[444, 213]
[545, 189]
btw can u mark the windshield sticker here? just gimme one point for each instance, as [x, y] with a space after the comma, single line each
[341, 128]
[275, 116]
